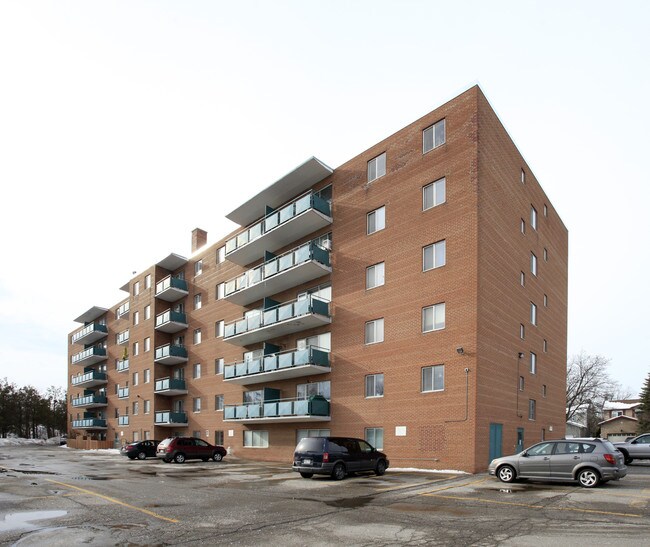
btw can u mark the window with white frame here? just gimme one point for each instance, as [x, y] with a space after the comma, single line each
[376, 220]
[147, 375]
[522, 279]
[147, 281]
[523, 176]
[532, 409]
[533, 264]
[433, 136]
[375, 437]
[433, 378]
[136, 288]
[434, 255]
[523, 226]
[197, 301]
[374, 385]
[522, 331]
[196, 337]
[196, 404]
[147, 406]
[136, 378]
[533, 313]
[218, 365]
[221, 254]
[218, 402]
[434, 194]
[375, 276]
[136, 408]
[198, 267]
[147, 344]
[218, 438]
[545, 210]
[533, 217]
[136, 348]
[374, 331]
[219, 329]
[196, 374]
[147, 312]
[377, 167]
[305, 433]
[221, 291]
[433, 317]
[136, 317]
[256, 439]
[533, 363]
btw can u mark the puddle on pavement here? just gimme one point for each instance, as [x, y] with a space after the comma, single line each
[17, 521]
[349, 503]
[91, 478]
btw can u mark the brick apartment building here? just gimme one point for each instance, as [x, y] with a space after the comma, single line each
[415, 296]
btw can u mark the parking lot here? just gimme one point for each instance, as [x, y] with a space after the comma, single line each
[61, 496]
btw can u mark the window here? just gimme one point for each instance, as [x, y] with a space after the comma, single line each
[523, 176]
[533, 313]
[533, 217]
[305, 433]
[375, 385]
[545, 301]
[196, 338]
[374, 331]
[545, 254]
[522, 279]
[533, 363]
[221, 254]
[147, 281]
[196, 373]
[147, 435]
[147, 312]
[196, 404]
[522, 331]
[376, 220]
[147, 406]
[433, 378]
[136, 436]
[196, 434]
[434, 194]
[533, 264]
[433, 317]
[434, 255]
[532, 409]
[523, 226]
[136, 408]
[218, 402]
[198, 267]
[218, 438]
[136, 317]
[197, 301]
[221, 291]
[136, 349]
[545, 346]
[218, 329]
[377, 167]
[147, 375]
[522, 383]
[256, 439]
[303, 391]
[321, 341]
[375, 276]
[375, 437]
[433, 136]
[136, 378]
[218, 365]
[545, 210]
[147, 344]
[543, 390]
[136, 288]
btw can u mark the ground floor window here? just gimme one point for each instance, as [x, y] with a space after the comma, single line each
[304, 433]
[136, 436]
[375, 436]
[256, 439]
[218, 437]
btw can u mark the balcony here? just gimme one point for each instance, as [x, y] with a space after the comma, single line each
[171, 321]
[89, 401]
[170, 387]
[89, 356]
[123, 310]
[123, 393]
[89, 379]
[89, 423]
[278, 366]
[302, 264]
[123, 420]
[170, 354]
[277, 321]
[171, 289]
[290, 222]
[314, 409]
[122, 365]
[123, 337]
[170, 419]
[90, 334]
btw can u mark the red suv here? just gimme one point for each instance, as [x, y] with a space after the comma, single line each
[180, 449]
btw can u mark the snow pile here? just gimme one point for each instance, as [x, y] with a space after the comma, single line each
[17, 441]
[416, 470]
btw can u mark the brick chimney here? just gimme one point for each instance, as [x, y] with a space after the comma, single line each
[199, 238]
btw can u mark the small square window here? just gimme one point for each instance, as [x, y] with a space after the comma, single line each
[377, 167]
[376, 220]
[375, 385]
[433, 378]
[375, 276]
[433, 136]
[434, 194]
[434, 255]
[433, 317]
[374, 331]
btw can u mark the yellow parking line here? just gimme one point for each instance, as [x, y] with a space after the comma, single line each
[113, 500]
[496, 502]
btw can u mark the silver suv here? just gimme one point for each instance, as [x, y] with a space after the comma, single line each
[588, 461]
[637, 448]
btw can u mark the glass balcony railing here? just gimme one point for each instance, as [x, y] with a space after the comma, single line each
[123, 420]
[276, 362]
[92, 377]
[171, 288]
[90, 400]
[279, 410]
[89, 423]
[170, 384]
[122, 365]
[277, 265]
[123, 392]
[90, 333]
[171, 321]
[123, 337]
[91, 355]
[170, 354]
[278, 218]
[167, 417]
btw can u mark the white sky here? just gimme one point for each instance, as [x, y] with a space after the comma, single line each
[126, 124]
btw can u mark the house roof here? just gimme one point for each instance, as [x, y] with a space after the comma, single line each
[618, 418]
[621, 405]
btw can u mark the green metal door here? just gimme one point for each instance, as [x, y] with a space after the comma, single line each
[496, 435]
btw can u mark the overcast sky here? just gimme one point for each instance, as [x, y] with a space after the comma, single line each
[124, 125]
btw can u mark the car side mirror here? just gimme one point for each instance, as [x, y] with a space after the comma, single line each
[524, 454]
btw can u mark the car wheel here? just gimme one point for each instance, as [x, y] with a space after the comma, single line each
[588, 478]
[506, 473]
[306, 475]
[627, 458]
[179, 458]
[141, 455]
[338, 473]
[217, 457]
[381, 467]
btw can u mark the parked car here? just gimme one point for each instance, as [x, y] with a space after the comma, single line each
[588, 461]
[140, 449]
[337, 456]
[637, 448]
[180, 449]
